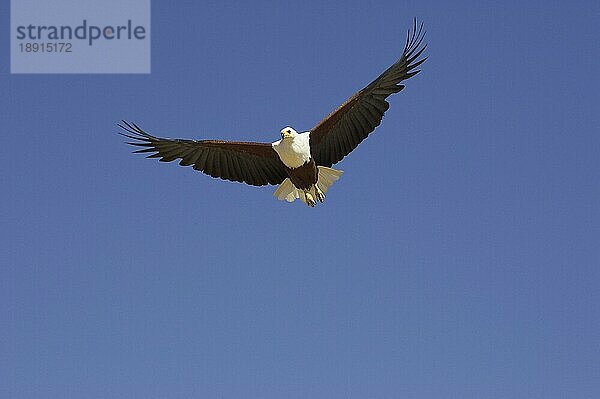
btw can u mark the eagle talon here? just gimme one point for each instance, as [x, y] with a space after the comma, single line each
[310, 201]
[320, 195]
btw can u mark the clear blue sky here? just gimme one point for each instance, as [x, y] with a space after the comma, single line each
[458, 256]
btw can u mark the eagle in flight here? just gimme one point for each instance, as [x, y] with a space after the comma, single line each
[300, 162]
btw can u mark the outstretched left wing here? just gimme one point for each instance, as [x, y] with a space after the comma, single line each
[256, 164]
[343, 130]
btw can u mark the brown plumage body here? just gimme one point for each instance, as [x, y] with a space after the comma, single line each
[305, 176]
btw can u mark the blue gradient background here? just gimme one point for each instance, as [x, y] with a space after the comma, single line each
[456, 258]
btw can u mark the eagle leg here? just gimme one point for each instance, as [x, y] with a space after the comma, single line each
[320, 195]
[310, 201]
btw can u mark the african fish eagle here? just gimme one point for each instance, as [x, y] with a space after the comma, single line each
[299, 162]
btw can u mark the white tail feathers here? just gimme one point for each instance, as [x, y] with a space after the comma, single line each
[287, 191]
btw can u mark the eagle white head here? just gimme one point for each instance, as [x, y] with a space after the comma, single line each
[288, 132]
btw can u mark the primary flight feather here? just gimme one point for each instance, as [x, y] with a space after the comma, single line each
[300, 162]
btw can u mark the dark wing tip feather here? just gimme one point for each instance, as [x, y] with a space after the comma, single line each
[134, 132]
[414, 39]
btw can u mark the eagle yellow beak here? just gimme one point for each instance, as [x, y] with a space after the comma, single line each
[286, 135]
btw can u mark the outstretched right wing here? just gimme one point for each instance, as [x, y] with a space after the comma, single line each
[256, 164]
